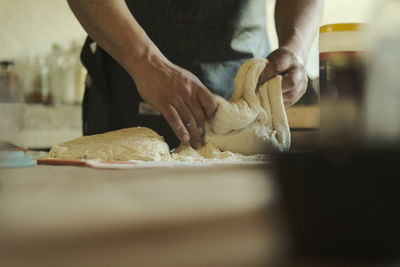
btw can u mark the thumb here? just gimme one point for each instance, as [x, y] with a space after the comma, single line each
[276, 65]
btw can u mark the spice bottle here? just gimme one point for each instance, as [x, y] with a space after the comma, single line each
[10, 92]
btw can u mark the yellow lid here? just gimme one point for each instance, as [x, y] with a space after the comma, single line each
[341, 27]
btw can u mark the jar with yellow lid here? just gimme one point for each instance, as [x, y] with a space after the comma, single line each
[341, 83]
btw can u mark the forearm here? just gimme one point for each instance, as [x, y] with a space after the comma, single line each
[113, 27]
[297, 23]
[175, 92]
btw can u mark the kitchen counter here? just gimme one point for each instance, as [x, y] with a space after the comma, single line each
[37, 126]
[186, 216]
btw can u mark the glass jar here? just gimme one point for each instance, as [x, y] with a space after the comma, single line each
[341, 83]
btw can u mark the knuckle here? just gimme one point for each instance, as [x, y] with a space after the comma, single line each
[290, 96]
[293, 57]
[290, 56]
[291, 82]
[186, 92]
[168, 113]
[277, 65]
[190, 124]
[179, 128]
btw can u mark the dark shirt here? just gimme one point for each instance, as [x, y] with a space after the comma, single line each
[210, 38]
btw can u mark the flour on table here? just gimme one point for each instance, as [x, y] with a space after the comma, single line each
[138, 143]
[209, 153]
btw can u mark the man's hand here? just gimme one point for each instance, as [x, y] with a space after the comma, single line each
[286, 63]
[297, 23]
[178, 95]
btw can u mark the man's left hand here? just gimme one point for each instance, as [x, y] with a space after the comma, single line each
[287, 63]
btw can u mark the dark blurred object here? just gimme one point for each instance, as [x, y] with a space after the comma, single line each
[9, 85]
[304, 139]
[342, 83]
[342, 205]
[342, 92]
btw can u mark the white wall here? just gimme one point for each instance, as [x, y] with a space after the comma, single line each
[29, 27]
[335, 11]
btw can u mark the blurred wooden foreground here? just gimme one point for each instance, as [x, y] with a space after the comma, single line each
[186, 216]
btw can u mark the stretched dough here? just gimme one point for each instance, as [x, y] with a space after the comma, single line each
[254, 120]
[137, 143]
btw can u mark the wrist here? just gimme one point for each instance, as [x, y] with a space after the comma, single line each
[296, 45]
[141, 61]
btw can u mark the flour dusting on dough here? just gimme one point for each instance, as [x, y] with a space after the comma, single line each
[210, 153]
[137, 143]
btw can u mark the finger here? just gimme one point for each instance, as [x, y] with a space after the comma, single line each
[198, 113]
[176, 123]
[291, 97]
[276, 65]
[292, 79]
[207, 102]
[190, 123]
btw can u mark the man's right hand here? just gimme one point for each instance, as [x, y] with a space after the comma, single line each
[178, 95]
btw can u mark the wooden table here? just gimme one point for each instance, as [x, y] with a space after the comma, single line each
[172, 217]
[187, 216]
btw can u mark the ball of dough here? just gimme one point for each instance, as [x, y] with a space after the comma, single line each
[138, 143]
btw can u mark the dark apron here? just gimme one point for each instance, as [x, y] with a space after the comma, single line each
[210, 38]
